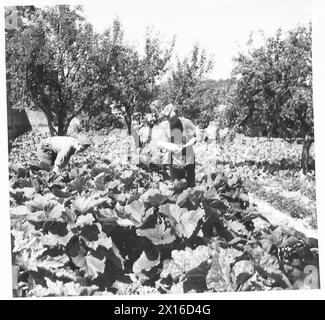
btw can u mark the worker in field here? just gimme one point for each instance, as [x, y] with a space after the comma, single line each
[178, 137]
[56, 151]
[142, 127]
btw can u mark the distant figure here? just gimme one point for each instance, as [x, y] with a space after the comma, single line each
[56, 151]
[74, 126]
[142, 127]
[178, 139]
[211, 132]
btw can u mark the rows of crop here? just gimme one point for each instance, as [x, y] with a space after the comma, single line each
[109, 226]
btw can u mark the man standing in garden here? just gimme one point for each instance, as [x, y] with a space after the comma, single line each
[177, 138]
[56, 151]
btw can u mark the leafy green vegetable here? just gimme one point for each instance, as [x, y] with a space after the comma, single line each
[125, 228]
[159, 235]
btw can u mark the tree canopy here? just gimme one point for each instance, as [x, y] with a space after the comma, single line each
[274, 86]
[134, 80]
[186, 83]
[57, 64]
[53, 66]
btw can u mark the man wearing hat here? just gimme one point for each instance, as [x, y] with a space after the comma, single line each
[56, 151]
[178, 139]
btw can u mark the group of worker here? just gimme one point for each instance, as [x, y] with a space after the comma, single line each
[177, 139]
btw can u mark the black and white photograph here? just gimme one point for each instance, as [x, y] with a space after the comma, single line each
[161, 147]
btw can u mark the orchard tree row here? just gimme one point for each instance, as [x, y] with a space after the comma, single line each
[58, 64]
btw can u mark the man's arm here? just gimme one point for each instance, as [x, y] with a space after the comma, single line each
[172, 147]
[164, 141]
[190, 143]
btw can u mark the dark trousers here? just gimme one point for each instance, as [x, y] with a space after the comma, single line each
[186, 172]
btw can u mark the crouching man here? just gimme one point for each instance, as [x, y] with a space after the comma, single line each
[178, 139]
[56, 151]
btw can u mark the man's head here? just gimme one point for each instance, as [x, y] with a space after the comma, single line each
[169, 112]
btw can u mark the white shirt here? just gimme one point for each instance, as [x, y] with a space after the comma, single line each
[65, 147]
[180, 138]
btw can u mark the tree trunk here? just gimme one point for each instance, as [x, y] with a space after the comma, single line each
[305, 153]
[62, 132]
[50, 125]
[129, 128]
[61, 115]
[128, 121]
[62, 129]
[128, 117]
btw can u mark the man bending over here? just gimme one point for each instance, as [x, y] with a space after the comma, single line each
[56, 151]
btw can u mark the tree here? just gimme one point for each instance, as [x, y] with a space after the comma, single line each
[135, 76]
[54, 66]
[186, 81]
[274, 87]
[211, 98]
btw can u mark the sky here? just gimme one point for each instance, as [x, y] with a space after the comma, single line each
[221, 27]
